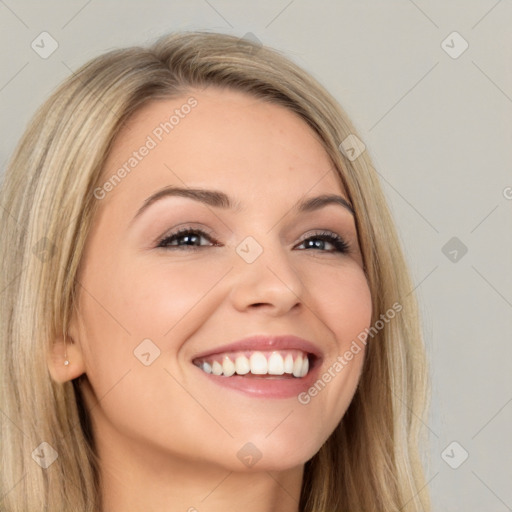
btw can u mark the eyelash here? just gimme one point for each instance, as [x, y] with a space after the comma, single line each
[339, 243]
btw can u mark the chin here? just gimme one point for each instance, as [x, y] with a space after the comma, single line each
[276, 452]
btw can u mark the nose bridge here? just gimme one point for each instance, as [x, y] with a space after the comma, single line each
[264, 274]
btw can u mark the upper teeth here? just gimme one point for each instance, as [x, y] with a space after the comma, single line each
[293, 362]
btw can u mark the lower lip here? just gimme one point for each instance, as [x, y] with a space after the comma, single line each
[266, 387]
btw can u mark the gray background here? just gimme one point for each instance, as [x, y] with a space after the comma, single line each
[439, 130]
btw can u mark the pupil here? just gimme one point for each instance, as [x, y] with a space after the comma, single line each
[188, 239]
[316, 243]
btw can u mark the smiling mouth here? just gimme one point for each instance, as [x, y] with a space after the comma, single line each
[291, 363]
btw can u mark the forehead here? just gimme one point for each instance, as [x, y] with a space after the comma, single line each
[223, 139]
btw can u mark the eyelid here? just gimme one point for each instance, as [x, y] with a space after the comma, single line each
[343, 243]
[185, 226]
[340, 243]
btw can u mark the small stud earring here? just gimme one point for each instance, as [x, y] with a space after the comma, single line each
[66, 362]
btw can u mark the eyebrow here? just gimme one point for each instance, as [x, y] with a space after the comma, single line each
[218, 199]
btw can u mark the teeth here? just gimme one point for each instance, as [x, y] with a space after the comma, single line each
[216, 368]
[293, 363]
[242, 365]
[258, 362]
[297, 367]
[288, 364]
[275, 364]
[305, 367]
[228, 367]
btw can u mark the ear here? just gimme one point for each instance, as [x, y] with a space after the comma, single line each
[65, 349]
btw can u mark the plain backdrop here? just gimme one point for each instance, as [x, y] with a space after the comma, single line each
[428, 85]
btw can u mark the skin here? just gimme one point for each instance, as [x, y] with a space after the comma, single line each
[166, 435]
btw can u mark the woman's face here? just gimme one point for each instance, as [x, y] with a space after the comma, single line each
[158, 312]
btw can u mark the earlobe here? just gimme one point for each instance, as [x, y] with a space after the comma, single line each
[65, 360]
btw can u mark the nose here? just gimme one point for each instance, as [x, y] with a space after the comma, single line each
[269, 283]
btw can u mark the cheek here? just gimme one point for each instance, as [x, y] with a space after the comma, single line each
[343, 299]
[124, 308]
[133, 302]
[126, 305]
[344, 305]
[161, 297]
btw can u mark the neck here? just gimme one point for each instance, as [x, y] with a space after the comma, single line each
[196, 488]
[135, 479]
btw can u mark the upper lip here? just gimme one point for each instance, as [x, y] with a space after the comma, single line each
[262, 342]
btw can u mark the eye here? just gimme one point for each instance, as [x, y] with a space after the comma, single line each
[185, 238]
[188, 238]
[319, 241]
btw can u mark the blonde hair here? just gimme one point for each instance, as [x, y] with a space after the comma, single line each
[371, 462]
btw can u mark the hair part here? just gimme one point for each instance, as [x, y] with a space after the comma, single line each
[371, 462]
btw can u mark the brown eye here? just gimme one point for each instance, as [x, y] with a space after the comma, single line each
[184, 238]
[319, 241]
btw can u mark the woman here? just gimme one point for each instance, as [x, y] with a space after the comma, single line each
[205, 305]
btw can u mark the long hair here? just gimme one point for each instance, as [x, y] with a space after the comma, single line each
[372, 460]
